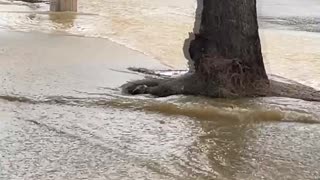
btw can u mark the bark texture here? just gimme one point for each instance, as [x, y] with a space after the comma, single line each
[227, 50]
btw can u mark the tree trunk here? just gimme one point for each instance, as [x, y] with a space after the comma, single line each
[227, 52]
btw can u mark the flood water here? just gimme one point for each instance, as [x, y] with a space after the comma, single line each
[62, 115]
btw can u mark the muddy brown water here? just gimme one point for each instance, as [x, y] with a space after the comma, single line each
[62, 115]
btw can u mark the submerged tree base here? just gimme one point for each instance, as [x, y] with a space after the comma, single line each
[224, 87]
[226, 57]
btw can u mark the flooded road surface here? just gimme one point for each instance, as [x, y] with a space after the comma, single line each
[62, 115]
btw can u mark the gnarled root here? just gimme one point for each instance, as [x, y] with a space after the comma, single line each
[192, 84]
[188, 84]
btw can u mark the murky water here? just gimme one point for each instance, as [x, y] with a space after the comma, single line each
[63, 116]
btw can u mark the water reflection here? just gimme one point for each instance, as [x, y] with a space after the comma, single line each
[223, 142]
[63, 21]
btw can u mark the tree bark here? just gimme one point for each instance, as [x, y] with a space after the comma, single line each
[227, 50]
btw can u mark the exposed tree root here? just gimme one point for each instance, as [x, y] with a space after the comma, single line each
[294, 90]
[194, 84]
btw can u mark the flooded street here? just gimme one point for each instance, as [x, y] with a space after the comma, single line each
[62, 115]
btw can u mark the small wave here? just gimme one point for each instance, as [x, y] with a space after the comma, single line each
[18, 99]
[309, 24]
[207, 112]
[238, 114]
